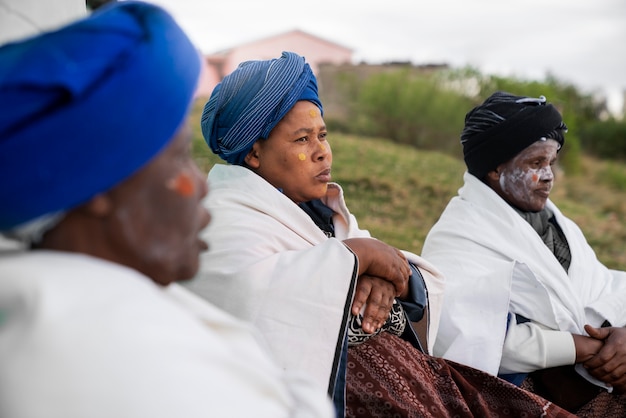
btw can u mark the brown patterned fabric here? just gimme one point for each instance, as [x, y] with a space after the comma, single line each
[603, 405]
[387, 377]
[395, 324]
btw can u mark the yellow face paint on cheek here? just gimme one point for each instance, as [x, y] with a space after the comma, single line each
[301, 157]
[182, 184]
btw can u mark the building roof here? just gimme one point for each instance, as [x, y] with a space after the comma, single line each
[289, 33]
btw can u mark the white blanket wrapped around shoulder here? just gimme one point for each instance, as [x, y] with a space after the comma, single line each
[83, 337]
[271, 265]
[495, 263]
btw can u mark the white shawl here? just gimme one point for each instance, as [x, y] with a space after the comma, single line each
[269, 263]
[83, 337]
[495, 263]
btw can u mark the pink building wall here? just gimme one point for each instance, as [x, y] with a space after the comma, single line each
[316, 51]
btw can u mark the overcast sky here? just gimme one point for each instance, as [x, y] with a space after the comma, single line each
[582, 42]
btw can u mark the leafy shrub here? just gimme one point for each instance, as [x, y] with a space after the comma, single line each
[605, 139]
[410, 109]
[427, 109]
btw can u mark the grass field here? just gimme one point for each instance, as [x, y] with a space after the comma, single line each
[398, 192]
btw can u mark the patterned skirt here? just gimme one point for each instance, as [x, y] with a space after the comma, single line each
[387, 377]
[603, 405]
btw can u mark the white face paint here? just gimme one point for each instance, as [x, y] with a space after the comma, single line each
[526, 180]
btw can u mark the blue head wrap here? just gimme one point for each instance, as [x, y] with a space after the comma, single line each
[251, 100]
[86, 106]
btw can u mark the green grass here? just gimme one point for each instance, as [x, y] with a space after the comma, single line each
[397, 192]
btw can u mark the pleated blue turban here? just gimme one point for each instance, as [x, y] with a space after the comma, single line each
[86, 106]
[251, 100]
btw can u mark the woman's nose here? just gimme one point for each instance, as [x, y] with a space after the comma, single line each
[547, 174]
[322, 151]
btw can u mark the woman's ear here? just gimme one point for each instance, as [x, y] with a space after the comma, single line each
[494, 175]
[492, 178]
[252, 159]
[99, 205]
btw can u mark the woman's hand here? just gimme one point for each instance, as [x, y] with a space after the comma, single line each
[377, 295]
[586, 347]
[609, 364]
[378, 259]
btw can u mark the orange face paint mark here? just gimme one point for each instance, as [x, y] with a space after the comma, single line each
[322, 147]
[535, 177]
[301, 157]
[182, 184]
[313, 113]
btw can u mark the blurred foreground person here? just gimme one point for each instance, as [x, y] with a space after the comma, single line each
[98, 182]
[526, 297]
[288, 255]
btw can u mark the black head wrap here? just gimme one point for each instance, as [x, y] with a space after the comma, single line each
[503, 126]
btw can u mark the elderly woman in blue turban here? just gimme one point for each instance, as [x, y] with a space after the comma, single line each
[288, 256]
[98, 181]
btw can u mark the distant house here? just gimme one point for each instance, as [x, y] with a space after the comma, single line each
[316, 50]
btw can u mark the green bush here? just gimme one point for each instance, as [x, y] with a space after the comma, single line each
[427, 109]
[605, 139]
[410, 109]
